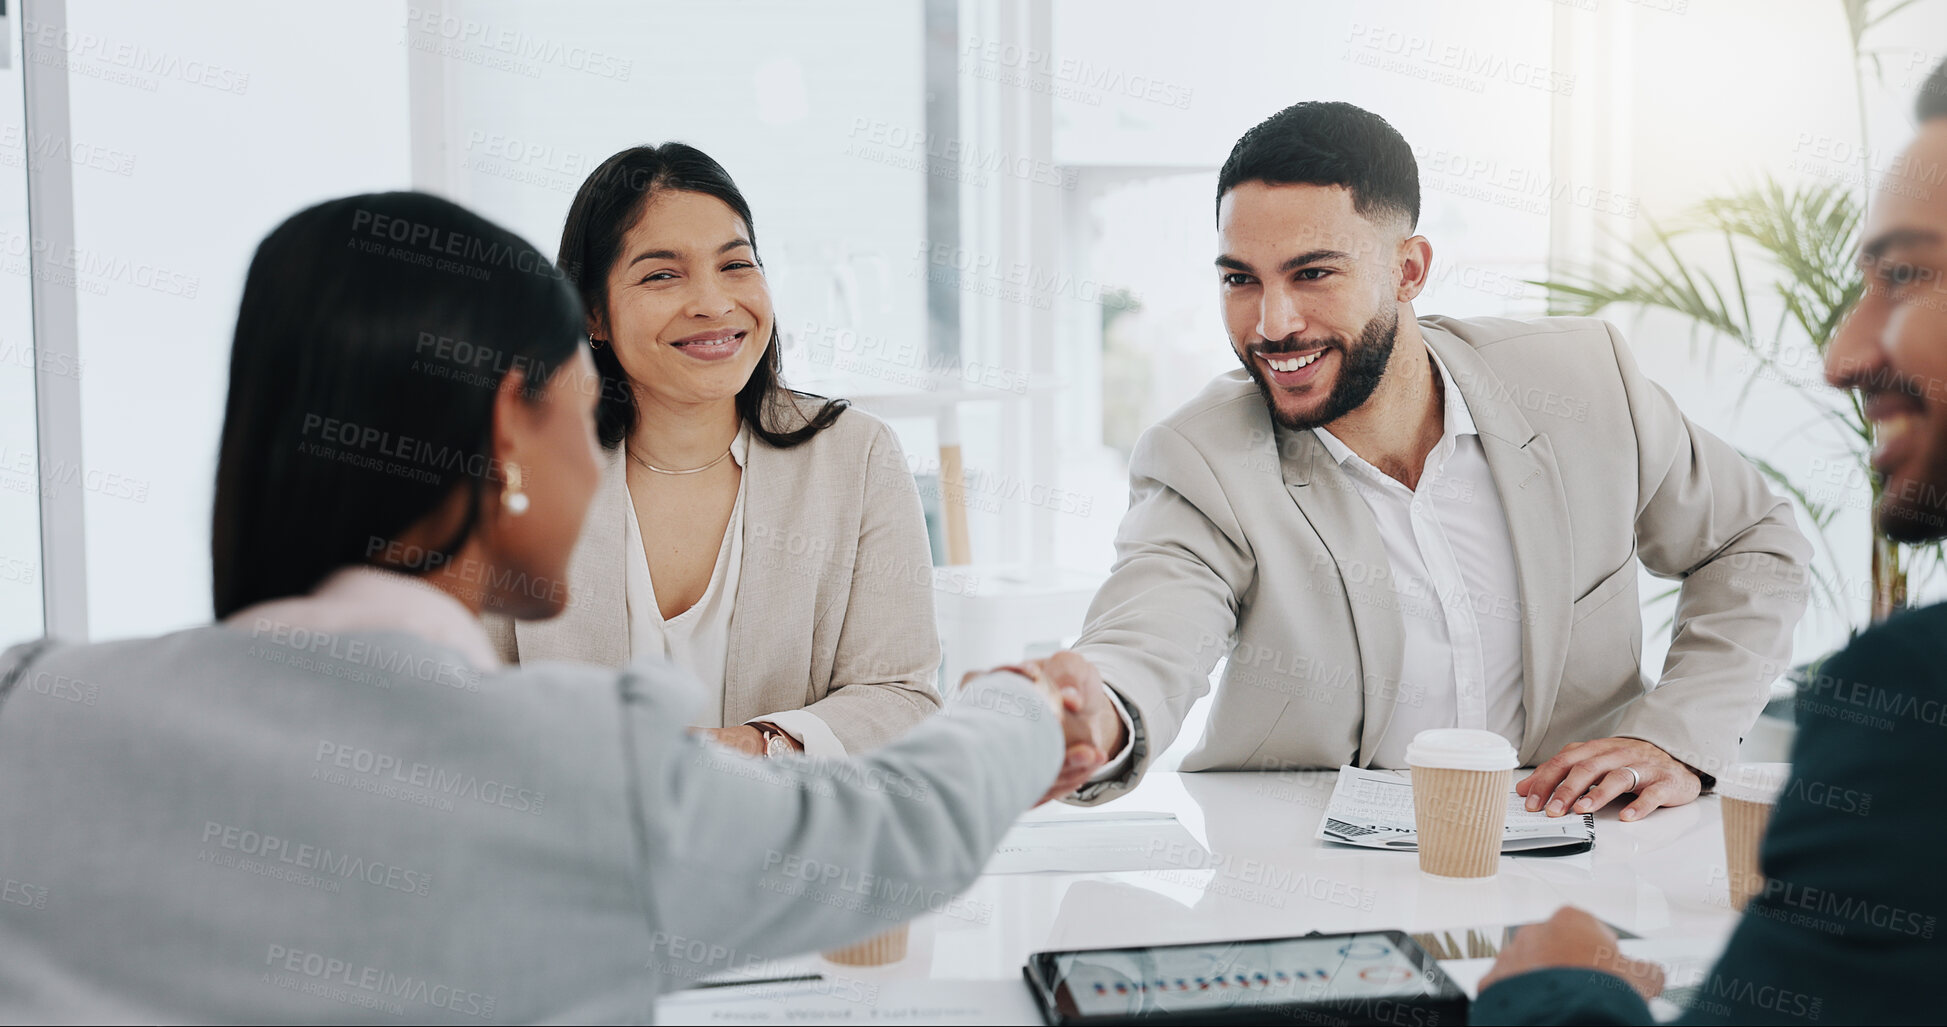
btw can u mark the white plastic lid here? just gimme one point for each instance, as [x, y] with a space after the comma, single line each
[1459, 748]
[1754, 782]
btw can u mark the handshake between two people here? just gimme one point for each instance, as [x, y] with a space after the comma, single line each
[1582, 778]
[1092, 730]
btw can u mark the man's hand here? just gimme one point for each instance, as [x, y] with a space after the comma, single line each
[1585, 776]
[1089, 723]
[1573, 938]
[1099, 727]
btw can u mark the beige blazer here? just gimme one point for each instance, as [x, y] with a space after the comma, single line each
[834, 607]
[1249, 542]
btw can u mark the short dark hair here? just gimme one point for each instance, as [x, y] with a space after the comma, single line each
[1329, 143]
[1932, 101]
[371, 342]
[608, 204]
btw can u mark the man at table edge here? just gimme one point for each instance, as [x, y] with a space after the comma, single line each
[1845, 926]
[1390, 523]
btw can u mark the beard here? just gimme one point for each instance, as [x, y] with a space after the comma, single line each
[1362, 364]
[1913, 512]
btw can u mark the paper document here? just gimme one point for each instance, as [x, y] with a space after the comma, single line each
[1374, 808]
[1097, 843]
[828, 1001]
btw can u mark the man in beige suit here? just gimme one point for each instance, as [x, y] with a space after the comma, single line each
[1390, 522]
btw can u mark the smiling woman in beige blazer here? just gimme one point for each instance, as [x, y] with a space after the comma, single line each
[786, 562]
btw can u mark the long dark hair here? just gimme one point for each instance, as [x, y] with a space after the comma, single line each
[373, 336]
[608, 204]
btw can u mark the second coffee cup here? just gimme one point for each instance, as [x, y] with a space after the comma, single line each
[1461, 782]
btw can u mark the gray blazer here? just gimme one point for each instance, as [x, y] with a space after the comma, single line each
[1250, 542]
[834, 607]
[225, 825]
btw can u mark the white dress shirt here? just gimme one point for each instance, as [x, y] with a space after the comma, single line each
[698, 639]
[1453, 577]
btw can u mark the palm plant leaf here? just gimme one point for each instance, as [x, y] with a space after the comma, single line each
[1806, 236]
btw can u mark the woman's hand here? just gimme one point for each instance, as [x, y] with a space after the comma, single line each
[743, 738]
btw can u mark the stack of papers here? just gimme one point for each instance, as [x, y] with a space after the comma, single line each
[1097, 843]
[825, 1001]
[1374, 809]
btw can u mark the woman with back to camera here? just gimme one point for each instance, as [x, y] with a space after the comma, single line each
[334, 804]
[788, 566]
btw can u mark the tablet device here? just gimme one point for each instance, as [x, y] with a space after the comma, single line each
[1367, 977]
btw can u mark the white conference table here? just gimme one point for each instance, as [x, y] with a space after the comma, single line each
[1267, 876]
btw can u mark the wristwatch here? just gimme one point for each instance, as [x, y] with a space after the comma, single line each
[776, 742]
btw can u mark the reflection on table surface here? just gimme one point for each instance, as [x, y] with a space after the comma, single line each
[1266, 876]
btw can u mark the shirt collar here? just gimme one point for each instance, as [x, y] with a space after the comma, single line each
[366, 598]
[1458, 421]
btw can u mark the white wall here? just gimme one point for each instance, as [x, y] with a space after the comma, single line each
[777, 92]
[20, 543]
[1724, 94]
[230, 120]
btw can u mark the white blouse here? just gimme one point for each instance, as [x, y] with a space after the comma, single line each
[698, 639]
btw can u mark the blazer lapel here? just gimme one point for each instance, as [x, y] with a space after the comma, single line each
[1328, 500]
[759, 613]
[595, 626]
[1525, 473]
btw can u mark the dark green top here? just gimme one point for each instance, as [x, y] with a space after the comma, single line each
[1848, 927]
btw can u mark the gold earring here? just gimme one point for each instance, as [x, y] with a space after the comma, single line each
[511, 496]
